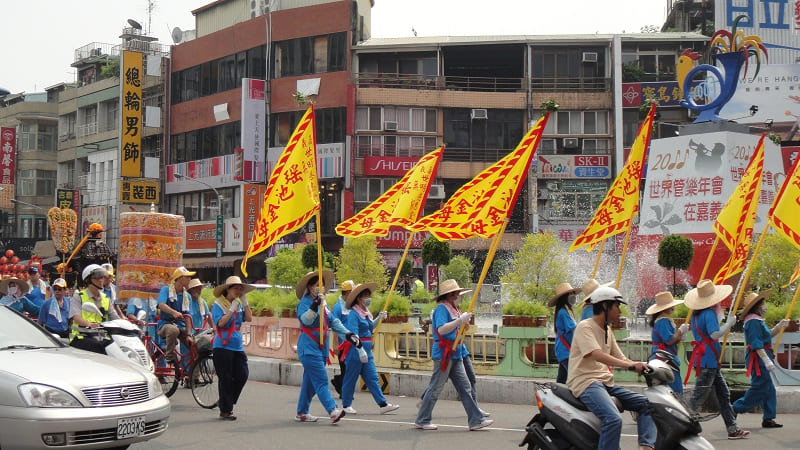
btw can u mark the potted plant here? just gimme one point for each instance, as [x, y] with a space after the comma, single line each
[398, 309]
[622, 321]
[525, 313]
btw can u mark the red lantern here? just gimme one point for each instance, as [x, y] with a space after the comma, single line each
[20, 267]
[9, 253]
[14, 259]
[3, 260]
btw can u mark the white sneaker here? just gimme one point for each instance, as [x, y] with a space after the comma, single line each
[350, 410]
[485, 423]
[427, 426]
[484, 413]
[305, 418]
[388, 408]
[336, 415]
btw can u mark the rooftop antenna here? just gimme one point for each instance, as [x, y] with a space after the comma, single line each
[177, 35]
[151, 5]
[134, 24]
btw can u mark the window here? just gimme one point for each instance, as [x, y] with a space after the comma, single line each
[202, 205]
[563, 69]
[656, 63]
[205, 143]
[503, 129]
[369, 189]
[330, 125]
[36, 182]
[574, 199]
[578, 122]
[308, 55]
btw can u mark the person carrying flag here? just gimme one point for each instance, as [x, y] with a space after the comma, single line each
[665, 336]
[340, 311]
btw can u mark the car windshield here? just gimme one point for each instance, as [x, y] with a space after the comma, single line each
[17, 332]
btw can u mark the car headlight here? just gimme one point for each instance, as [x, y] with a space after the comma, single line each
[154, 386]
[44, 396]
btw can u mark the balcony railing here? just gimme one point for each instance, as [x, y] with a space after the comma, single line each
[434, 82]
[87, 129]
[590, 84]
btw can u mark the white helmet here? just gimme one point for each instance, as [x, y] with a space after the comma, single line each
[606, 294]
[90, 269]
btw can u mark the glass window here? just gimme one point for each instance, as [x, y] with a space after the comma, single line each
[320, 54]
[430, 120]
[337, 52]
[375, 118]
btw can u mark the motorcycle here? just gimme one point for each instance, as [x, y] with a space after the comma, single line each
[573, 426]
[120, 338]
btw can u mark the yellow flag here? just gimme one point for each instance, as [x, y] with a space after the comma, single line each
[480, 207]
[734, 224]
[615, 213]
[292, 195]
[401, 205]
[784, 215]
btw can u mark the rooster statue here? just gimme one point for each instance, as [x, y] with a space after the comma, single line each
[732, 50]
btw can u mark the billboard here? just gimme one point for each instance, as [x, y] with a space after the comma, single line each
[131, 127]
[776, 22]
[584, 166]
[253, 129]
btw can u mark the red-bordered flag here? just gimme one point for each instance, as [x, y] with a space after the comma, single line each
[784, 215]
[292, 194]
[480, 207]
[734, 224]
[400, 206]
[615, 213]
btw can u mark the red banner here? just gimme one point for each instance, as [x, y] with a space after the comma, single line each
[8, 154]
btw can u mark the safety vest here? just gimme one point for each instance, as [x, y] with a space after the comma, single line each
[91, 317]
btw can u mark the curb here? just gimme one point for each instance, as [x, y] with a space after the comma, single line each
[491, 389]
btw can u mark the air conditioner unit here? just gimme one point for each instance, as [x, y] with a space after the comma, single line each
[589, 57]
[479, 114]
[570, 143]
[436, 192]
[390, 125]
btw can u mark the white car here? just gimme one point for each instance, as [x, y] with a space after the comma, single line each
[55, 396]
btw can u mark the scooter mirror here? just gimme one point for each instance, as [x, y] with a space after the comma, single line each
[91, 308]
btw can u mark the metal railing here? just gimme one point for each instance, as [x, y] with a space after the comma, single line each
[438, 82]
[565, 84]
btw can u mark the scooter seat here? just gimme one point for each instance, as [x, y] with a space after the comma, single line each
[563, 392]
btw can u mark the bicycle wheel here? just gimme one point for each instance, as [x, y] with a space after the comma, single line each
[204, 382]
[168, 374]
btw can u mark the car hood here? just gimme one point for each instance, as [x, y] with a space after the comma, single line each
[68, 366]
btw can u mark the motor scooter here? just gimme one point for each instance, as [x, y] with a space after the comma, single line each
[124, 343]
[564, 422]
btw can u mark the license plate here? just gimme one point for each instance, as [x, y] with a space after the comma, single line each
[130, 427]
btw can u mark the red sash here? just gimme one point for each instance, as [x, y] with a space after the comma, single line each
[698, 350]
[754, 360]
[563, 341]
[229, 330]
[661, 345]
[447, 350]
[345, 347]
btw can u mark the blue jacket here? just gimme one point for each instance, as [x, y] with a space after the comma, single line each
[305, 343]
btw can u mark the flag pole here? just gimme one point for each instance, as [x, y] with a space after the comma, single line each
[321, 281]
[788, 314]
[742, 286]
[396, 277]
[599, 254]
[484, 271]
[622, 257]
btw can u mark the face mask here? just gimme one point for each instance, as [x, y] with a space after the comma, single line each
[12, 290]
[572, 299]
[367, 301]
[315, 291]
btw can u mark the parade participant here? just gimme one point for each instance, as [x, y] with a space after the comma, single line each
[340, 312]
[15, 298]
[110, 289]
[594, 351]
[313, 354]
[587, 289]
[172, 301]
[54, 314]
[92, 277]
[230, 309]
[564, 326]
[704, 301]
[759, 360]
[449, 363]
[361, 362]
[665, 336]
[137, 304]
[198, 308]
[39, 288]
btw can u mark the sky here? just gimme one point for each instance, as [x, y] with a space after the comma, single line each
[39, 37]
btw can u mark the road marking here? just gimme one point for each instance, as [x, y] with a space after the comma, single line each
[516, 430]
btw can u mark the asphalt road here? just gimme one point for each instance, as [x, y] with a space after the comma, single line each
[266, 421]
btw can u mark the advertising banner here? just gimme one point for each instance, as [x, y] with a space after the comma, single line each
[253, 125]
[131, 128]
[584, 166]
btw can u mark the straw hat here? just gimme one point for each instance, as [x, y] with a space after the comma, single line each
[589, 287]
[664, 300]
[230, 281]
[449, 286]
[707, 294]
[302, 285]
[353, 295]
[752, 300]
[22, 286]
[181, 272]
[193, 283]
[561, 290]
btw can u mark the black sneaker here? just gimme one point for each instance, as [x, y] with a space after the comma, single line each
[770, 424]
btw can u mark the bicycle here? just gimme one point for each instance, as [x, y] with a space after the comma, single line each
[200, 376]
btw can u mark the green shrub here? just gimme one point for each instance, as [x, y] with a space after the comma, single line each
[421, 295]
[776, 313]
[681, 311]
[528, 308]
[399, 305]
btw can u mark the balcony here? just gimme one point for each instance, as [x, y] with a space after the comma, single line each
[591, 84]
[434, 82]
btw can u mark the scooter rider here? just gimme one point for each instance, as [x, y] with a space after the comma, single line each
[594, 351]
[93, 276]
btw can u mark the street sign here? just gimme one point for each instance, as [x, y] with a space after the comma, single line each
[220, 224]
